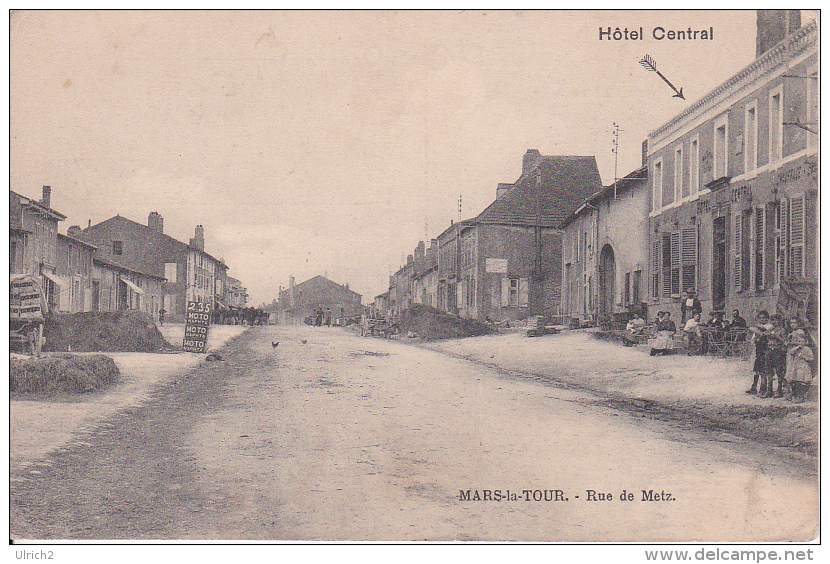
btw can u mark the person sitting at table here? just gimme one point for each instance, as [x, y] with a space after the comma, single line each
[666, 329]
[693, 335]
[738, 325]
[716, 320]
[635, 327]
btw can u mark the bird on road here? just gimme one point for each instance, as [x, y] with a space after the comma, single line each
[305, 341]
[275, 345]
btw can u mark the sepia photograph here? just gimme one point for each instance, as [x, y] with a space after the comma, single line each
[422, 276]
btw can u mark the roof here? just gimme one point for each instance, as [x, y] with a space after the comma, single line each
[145, 265]
[567, 180]
[78, 241]
[623, 184]
[322, 280]
[112, 264]
[38, 206]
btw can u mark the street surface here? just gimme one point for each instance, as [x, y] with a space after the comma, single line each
[349, 438]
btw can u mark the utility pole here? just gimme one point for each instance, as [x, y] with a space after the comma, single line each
[616, 151]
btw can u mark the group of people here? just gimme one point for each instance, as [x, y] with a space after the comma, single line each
[322, 317]
[695, 338]
[782, 352]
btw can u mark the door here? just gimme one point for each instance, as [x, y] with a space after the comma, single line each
[607, 279]
[719, 263]
[96, 295]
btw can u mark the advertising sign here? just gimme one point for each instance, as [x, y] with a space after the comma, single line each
[197, 321]
[496, 265]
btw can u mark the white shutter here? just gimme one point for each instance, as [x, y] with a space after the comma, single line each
[737, 262]
[505, 291]
[796, 225]
[522, 292]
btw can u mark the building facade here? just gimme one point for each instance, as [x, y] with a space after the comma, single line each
[118, 288]
[506, 263]
[74, 258]
[191, 273]
[734, 181]
[33, 242]
[299, 301]
[605, 251]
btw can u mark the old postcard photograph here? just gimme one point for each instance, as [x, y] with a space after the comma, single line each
[453, 276]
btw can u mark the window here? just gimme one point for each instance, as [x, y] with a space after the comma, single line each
[737, 240]
[694, 166]
[751, 137]
[775, 125]
[118, 247]
[171, 272]
[657, 185]
[796, 246]
[680, 189]
[514, 292]
[721, 145]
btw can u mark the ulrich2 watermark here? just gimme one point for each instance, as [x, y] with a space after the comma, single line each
[556, 495]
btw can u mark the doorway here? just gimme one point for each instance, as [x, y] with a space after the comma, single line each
[607, 279]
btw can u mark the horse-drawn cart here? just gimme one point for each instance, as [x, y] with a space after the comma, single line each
[27, 309]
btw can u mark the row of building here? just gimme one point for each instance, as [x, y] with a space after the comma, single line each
[115, 265]
[725, 204]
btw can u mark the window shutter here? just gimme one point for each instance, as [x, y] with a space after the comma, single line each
[797, 237]
[675, 263]
[505, 291]
[737, 264]
[655, 269]
[666, 265]
[760, 245]
[689, 257]
[522, 292]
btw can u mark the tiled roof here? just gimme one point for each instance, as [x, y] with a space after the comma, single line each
[623, 184]
[568, 180]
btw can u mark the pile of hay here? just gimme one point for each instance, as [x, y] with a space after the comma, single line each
[61, 373]
[125, 331]
[431, 324]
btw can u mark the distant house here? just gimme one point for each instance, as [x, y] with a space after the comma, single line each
[74, 258]
[301, 300]
[506, 263]
[117, 288]
[191, 273]
[236, 295]
[33, 242]
[605, 251]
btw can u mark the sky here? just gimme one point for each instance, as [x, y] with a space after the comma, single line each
[332, 142]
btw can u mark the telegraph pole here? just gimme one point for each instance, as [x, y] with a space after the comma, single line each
[616, 150]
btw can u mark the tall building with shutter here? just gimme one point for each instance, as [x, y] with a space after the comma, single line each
[734, 182]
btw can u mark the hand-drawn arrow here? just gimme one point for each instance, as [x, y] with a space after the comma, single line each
[649, 64]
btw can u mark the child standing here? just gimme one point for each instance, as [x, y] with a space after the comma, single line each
[776, 357]
[759, 339]
[799, 367]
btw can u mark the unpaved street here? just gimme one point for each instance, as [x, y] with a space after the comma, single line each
[345, 438]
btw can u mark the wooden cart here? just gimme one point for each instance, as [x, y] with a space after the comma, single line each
[27, 311]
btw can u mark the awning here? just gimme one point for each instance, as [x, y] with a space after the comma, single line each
[135, 288]
[53, 277]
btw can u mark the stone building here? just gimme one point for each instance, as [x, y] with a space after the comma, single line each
[74, 258]
[299, 301]
[733, 181]
[605, 251]
[33, 242]
[117, 288]
[506, 263]
[190, 272]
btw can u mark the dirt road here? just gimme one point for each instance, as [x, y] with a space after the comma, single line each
[343, 438]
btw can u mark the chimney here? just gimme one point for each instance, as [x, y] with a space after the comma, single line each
[46, 200]
[155, 222]
[347, 285]
[198, 242]
[530, 159]
[502, 189]
[774, 26]
[409, 260]
[419, 251]
[291, 290]
[645, 152]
